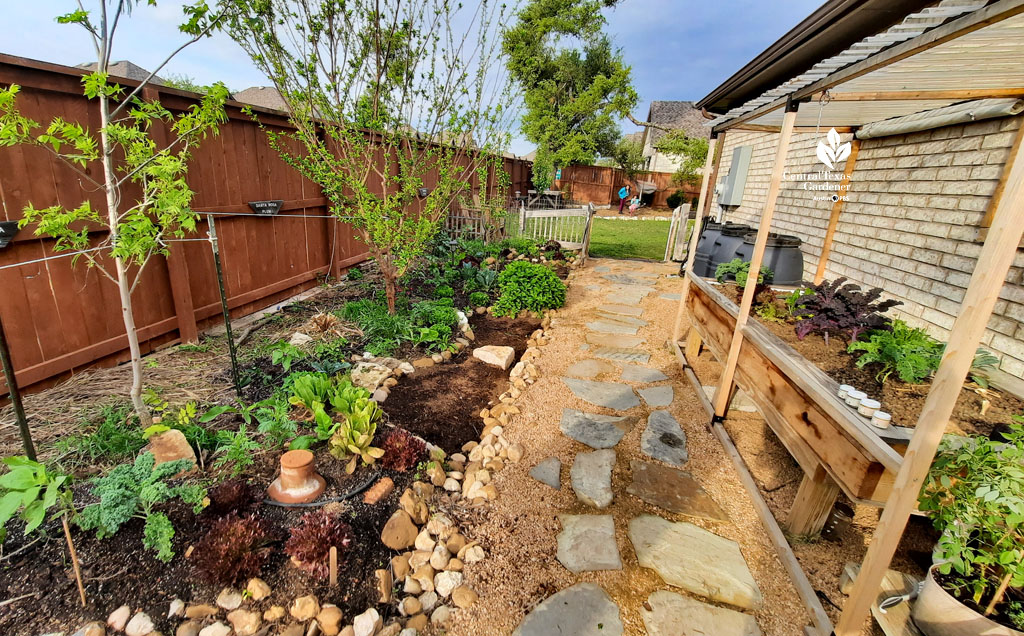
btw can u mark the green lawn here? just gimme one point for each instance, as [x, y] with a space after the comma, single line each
[629, 239]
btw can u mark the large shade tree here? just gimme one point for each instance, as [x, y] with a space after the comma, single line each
[145, 199]
[386, 97]
[575, 84]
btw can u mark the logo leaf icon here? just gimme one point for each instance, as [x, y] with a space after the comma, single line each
[825, 155]
[834, 152]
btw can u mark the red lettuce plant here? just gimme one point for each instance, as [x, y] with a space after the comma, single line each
[235, 548]
[232, 496]
[402, 451]
[839, 307]
[311, 540]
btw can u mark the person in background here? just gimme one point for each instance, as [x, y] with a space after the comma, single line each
[623, 195]
[634, 205]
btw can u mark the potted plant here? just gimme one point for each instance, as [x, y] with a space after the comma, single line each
[975, 496]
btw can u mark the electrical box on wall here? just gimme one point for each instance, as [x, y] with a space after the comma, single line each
[736, 180]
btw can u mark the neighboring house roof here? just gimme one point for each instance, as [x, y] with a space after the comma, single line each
[531, 156]
[637, 136]
[125, 69]
[675, 116]
[263, 96]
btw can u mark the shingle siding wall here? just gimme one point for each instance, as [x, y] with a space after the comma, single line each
[910, 225]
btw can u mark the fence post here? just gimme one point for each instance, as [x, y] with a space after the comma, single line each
[586, 235]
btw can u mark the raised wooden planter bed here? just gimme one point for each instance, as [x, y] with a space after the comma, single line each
[834, 446]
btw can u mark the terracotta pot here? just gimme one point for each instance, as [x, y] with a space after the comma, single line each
[936, 612]
[298, 481]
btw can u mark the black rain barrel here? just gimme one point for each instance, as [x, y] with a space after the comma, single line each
[709, 234]
[781, 255]
[726, 245]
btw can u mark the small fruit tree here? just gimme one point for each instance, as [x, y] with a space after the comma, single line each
[120, 239]
[384, 95]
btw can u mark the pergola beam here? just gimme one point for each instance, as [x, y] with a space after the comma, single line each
[973, 21]
[896, 96]
[987, 280]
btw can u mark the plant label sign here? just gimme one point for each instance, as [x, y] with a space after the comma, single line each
[7, 231]
[266, 208]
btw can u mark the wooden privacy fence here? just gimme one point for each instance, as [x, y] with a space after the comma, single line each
[60, 317]
[600, 185]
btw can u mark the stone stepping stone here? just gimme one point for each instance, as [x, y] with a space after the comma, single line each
[675, 297]
[591, 368]
[623, 354]
[602, 269]
[587, 543]
[634, 373]
[612, 395]
[695, 560]
[673, 615]
[596, 431]
[607, 326]
[626, 320]
[622, 310]
[548, 472]
[673, 490]
[593, 288]
[625, 279]
[640, 288]
[656, 396]
[663, 439]
[614, 341]
[581, 610]
[591, 476]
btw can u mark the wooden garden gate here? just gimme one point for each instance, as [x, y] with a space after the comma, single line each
[569, 226]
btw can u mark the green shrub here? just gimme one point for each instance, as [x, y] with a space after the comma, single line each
[479, 299]
[908, 351]
[677, 199]
[739, 270]
[354, 274]
[528, 286]
[444, 291]
[133, 490]
[384, 332]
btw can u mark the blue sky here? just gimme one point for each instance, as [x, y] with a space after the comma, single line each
[679, 50]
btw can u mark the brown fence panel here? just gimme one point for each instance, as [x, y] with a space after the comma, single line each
[61, 317]
[600, 185]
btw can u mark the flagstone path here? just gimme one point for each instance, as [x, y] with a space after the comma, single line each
[625, 515]
[684, 555]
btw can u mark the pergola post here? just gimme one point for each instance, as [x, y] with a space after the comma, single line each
[837, 209]
[691, 250]
[986, 281]
[724, 392]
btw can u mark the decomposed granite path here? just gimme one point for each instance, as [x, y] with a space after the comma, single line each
[624, 516]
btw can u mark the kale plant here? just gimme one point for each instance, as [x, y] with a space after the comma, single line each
[839, 307]
[739, 270]
[907, 351]
[134, 491]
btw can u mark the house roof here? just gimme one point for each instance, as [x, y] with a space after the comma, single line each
[676, 116]
[264, 96]
[125, 69]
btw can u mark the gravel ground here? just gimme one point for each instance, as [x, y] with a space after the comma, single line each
[519, 530]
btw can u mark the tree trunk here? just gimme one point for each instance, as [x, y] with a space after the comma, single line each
[123, 284]
[390, 290]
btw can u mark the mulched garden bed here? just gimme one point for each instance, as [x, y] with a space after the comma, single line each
[442, 403]
[903, 401]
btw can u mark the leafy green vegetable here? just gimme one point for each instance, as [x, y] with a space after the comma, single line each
[28, 486]
[353, 438]
[284, 353]
[907, 351]
[236, 449]
[134, 491]
[309, 388]
[739, 270]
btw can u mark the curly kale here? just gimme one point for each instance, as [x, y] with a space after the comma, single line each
[133, 491]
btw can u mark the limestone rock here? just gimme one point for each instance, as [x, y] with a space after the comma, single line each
[464, 596]
[200, 611]
[274, 614]
[369, 375]
[119, 618]
[399, 532]
[304, 608]
[177, 608]
[428, 600]
[245, 622]
[329, 620]
[657, 396]
[258, 589]
[418, 622]
[95, 628]
[229, 599]
[496, 356]
[445, 582]
[440, 615]
[188, 628]
[591, 475]
[583, 610]
[590, 369]
[140, 625]
[298, 339]
[673, 615]
[384, 585]
[216, 629]
[587, 543]
[410, 606]
[368, 623]
[673, 490]
[636, 373]
[400, 566]
[695, 560]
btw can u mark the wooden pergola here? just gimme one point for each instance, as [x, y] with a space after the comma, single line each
[944, 55]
